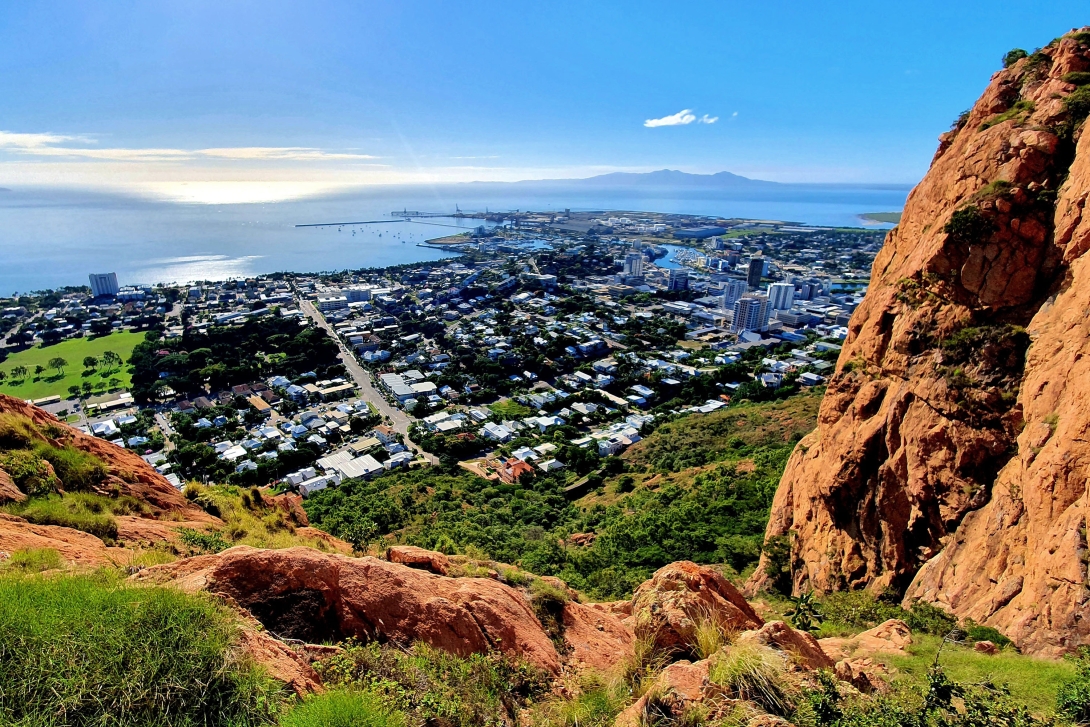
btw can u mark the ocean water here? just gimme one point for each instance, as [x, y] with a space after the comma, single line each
[55, 237]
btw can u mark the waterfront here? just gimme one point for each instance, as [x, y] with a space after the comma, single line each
[51, 238]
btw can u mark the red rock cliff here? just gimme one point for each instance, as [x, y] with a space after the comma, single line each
[950, 459]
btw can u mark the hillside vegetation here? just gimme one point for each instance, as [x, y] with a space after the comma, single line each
[698, 488]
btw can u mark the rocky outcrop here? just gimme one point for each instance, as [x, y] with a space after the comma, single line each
[668, 608]
[802, 647]
[305, 594]
[679, 685]
[127, 472]
[8, 491]
[950, 458]
[72, 545]
[892, 637]
[414, 557]
[594, 637]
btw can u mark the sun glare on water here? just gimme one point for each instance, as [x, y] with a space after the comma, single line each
[236, 192]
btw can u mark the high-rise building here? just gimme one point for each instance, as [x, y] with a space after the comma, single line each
[781, 296]
[750, 314]
[103, 284]
[678, 279]
[756, 271]
[733, 289]
[633, 264]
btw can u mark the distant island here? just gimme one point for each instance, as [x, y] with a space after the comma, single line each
[4, 189]
[662, 178]
[888, 217]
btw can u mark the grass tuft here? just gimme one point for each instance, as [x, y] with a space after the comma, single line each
[33, 560]
[755, 674]
[83, 511]
[100, 652]
[344, 708]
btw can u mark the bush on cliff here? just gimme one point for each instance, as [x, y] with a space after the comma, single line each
[90, 650]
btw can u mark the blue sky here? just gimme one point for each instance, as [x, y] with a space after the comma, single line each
[332, 93]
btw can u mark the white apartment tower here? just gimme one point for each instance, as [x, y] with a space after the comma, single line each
[781, 296]
[733, 289]
[103, 284]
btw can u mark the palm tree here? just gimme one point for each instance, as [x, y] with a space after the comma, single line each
[57, 364]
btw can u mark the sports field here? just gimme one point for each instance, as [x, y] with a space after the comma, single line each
[49, 382]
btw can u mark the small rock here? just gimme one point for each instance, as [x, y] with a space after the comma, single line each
[985, 647]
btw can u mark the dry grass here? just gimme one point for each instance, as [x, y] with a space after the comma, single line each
[756, 674]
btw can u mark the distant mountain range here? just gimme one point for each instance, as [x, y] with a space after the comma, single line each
[661, 178]
[674, 179]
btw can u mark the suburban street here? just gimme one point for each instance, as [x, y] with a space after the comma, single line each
[398, 419]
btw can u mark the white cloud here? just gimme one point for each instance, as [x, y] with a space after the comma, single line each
[705, 119]
[54, 145]
[681, 118]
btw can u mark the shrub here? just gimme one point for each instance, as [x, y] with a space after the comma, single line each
[548, 602]
[1013, 56]
[1078, 78]
[969, 226]
[342, 708]
[976, 632]
[1077, 104]
[929, 619]
[210, 542]
[755, 674]
[1073, 699]
[90, 650]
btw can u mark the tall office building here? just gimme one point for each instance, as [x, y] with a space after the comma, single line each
[756, 271]
[733, 289]
[750, 314]
[633, 264]
[781, 296]
[678, 279]
[103, 284]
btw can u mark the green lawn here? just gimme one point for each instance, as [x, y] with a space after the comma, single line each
[510, 409]
[73, 351]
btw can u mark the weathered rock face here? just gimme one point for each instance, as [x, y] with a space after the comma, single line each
[669, 606]
[950, 458]
[8, 491]
[305, 594]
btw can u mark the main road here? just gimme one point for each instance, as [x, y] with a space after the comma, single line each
[398, 419]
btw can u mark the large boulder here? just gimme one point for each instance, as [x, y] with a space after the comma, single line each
[669, 607]
[304, 594]
[889, 637]
[803, 648]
